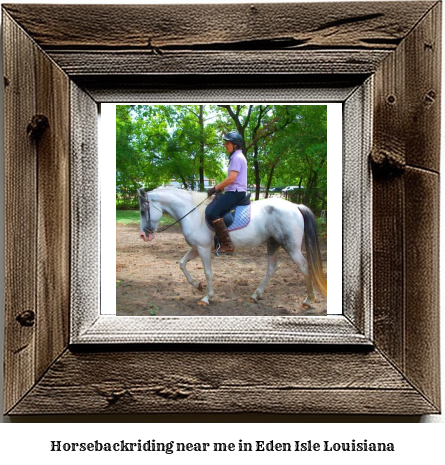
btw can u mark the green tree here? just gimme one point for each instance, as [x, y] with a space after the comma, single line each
[284, 145]
[157, 143]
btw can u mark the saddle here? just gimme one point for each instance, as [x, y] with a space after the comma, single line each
[229, 217]
[238, 217]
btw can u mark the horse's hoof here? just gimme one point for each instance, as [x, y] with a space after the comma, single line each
[202, 303]
[307, 303]
[307, 306]
[253, 301]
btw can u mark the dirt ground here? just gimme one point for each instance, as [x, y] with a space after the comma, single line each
[149, 281]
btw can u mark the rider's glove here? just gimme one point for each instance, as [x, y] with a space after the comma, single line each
[211, 191]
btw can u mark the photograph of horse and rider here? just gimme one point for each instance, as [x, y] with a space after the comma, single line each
[206, 198]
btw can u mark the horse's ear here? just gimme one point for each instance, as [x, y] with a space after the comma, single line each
[141, 193]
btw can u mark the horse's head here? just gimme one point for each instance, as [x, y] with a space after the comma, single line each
[151, 214]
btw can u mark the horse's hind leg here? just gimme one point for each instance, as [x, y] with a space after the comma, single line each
[272, 264]
[299, 259]
[190, 255]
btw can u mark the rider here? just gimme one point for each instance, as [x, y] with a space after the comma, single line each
[234, 187]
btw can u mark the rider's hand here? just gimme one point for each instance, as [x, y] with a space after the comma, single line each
[211, 191]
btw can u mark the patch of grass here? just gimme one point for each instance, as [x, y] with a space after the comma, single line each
[127, 217]
[132, 217]
[153, 309]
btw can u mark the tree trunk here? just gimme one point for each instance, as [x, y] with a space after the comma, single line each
[184, 182]
[201, 148]
[269, 181]
[257, 172]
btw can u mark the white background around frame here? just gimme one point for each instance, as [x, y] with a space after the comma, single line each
[415, 443]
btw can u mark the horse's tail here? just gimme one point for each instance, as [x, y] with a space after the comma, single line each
[313, 250]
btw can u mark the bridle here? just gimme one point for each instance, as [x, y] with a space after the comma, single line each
[146, 203]
[148, 217]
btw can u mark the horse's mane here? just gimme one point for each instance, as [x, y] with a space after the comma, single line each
[197, 197]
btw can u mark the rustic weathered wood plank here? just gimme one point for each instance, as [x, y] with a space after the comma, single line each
[423, 91]
[388, 156]
[128, 63]
[20, 213]
[221, 382]
[107, 329]
[388, 268]
[85, 211]
[406, 207]
[399, 377]
[223, 401]
[421, 212]
[41, 132]
[422, 325]
[407, 113]
[157, 27]
[53, 229]
[357, 208]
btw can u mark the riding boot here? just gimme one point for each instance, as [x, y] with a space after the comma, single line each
[224, 236]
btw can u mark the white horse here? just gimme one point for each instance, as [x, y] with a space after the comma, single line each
[275, 222]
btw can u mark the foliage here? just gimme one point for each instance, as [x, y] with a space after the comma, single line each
[127, 217]
[132, 217]
[284, 145]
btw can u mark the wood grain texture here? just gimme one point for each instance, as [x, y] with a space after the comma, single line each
[129, 63]
[166, 39]
[37, 210]
[422, 364]
[20, 213]
[406, 205]
[107, 329]
[53, 228]
[357, 209]
[423, 92]
[388, 268]
[407, 121]
[223, 382]
[388, 153]
[338, 45]
[85, 211]
[160, 27]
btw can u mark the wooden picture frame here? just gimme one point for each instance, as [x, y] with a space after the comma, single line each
[380, 358]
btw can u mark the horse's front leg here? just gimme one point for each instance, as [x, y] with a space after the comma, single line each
[206, 258]
[190, 255]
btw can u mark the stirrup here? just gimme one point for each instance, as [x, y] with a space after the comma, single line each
[216, 245]
[216, 251]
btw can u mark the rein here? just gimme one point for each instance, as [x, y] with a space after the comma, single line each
[170, 225]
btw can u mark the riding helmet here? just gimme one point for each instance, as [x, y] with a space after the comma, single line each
[234, 137]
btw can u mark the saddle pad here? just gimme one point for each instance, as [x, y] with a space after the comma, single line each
[242, 218]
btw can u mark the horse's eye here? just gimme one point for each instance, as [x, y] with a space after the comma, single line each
[142, 212]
